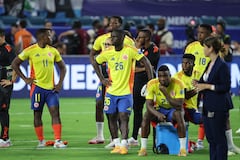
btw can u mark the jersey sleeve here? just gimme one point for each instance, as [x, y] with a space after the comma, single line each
[101, 58]
[97, 44]
[58, 57]
[24, 55]
[150, 91]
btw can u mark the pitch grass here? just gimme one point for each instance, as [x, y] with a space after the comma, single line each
[78, 120]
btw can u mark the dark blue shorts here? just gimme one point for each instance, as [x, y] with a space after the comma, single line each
[114, 104]
[40, 96]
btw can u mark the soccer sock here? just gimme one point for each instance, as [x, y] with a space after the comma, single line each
[229, 139]
[201, 132]
[124, 143]
[99, 126]
[116, 141]
[57, 129]
[39, 133]
[182, 143]
[144, 143]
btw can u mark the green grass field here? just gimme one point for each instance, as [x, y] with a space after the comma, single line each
[78, 120]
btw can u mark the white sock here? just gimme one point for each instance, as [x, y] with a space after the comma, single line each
[99, 126]
[182, 143]
[144, 143]
[229, 139]
[116, 141]
[124, 142]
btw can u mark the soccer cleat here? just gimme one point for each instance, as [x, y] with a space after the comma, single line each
[132, 142]
[111, 145]
[231, 153]
[182, 153]
[59, 144]
[199, 145]
[4, 144]
[116, 149]
[95, 140]
[238, 131]
[123, 150]
[41, 144]
[142, 152]
[234, 149]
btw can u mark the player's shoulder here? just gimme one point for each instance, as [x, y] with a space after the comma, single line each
[177, 81]
[153, 82]
[103, 36]
[193, 44]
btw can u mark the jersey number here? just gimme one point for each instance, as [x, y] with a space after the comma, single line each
[118, 66]
[202, 61]
[45, 63]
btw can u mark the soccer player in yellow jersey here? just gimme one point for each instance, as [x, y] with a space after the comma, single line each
[201, 62]
[168, 94]
[187, 75]
[118, 99]
[196, 48]
[100, 44]
[41, 58]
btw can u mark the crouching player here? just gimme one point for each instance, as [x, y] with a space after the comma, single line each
[169, 95]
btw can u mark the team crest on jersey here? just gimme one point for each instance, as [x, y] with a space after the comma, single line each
[36, 105]
[105, 108]
[37, 55]
[50, 54]
[112, 59]
[125, 57]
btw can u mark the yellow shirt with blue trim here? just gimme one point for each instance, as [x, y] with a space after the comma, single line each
[190, 103]
[121, 65]
[41, 61]
[201, 61]
[175, 90]
[99, 43]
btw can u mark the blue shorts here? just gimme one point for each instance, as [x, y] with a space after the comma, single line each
[114, 104]
[167, 112]
[100, 92]
[193, 116]
[40, 96]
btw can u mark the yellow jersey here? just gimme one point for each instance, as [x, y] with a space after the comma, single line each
[201, 61]
[41, 61]
[121, 66]
[187, 80]
[175, 89]
[99, 43]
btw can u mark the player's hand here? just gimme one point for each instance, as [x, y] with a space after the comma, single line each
[161, 117]
[29, 81]
[106, 82]
[5, 82]
[162, 88]
[57, 87]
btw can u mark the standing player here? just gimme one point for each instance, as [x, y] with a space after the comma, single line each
[41, 58]
[168, 94]
[151, 51]
[196, 48]
[7, 77]
[99, 45]
[118, 99]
